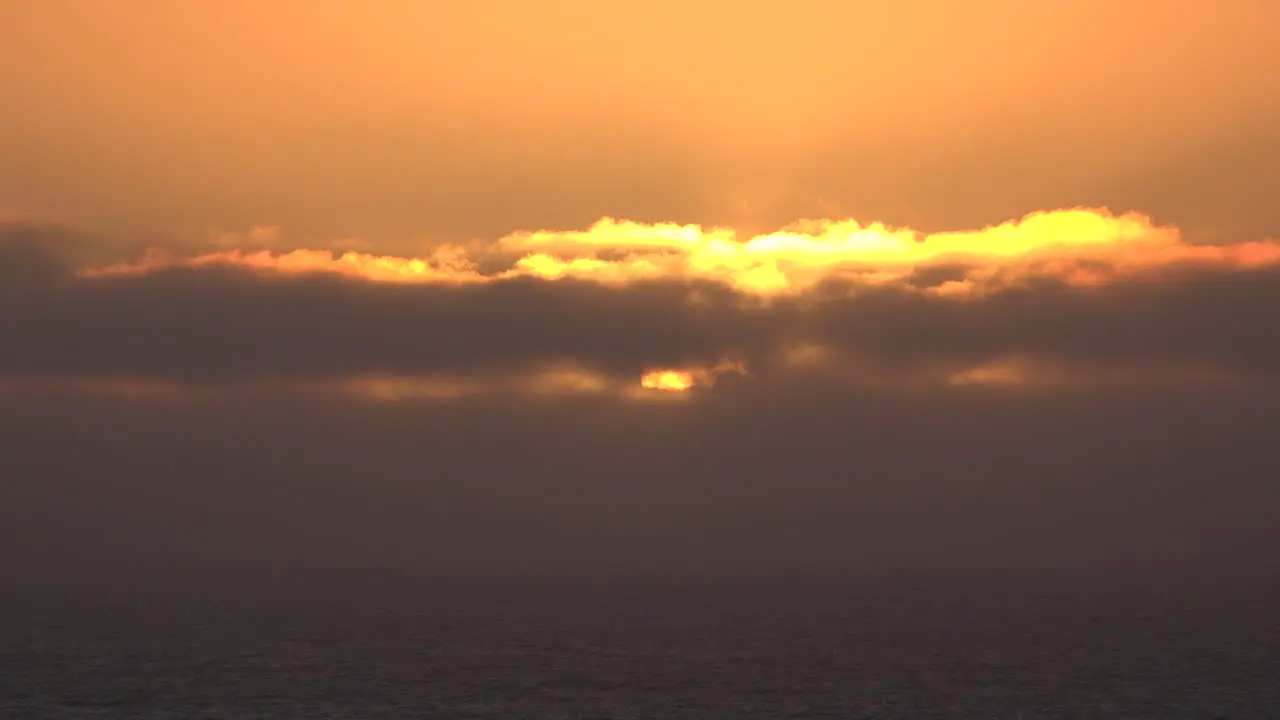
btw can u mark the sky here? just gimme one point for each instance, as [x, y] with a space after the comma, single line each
[702, 285]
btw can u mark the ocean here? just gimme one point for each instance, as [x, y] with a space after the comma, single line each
[351, 645]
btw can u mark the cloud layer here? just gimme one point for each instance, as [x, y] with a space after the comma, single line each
[1071, 294]
[1110, 403]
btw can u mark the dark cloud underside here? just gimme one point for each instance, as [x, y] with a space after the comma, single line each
[218, 324]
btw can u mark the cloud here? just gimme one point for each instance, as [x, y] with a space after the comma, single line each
[1077, 246]
[225, 413]
[1057, 295]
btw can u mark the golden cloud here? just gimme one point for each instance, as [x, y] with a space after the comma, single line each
[1078, 246]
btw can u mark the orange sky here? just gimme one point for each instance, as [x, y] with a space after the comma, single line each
[403, 122]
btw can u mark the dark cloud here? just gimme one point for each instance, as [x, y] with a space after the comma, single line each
[222, 324]
[217, 324]
[1205, 318]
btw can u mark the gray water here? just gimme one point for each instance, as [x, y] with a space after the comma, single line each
[347, 646]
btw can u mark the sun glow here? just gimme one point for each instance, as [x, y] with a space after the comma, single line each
[667, 380]
[684, 379]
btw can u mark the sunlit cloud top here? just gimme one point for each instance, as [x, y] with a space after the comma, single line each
[1076, 246]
